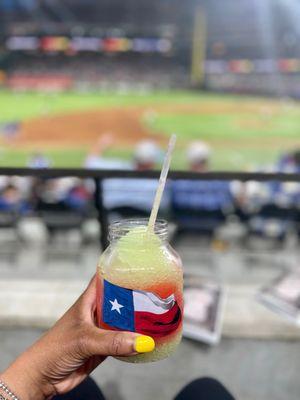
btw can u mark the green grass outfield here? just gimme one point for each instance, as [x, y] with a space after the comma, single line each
[243, 131]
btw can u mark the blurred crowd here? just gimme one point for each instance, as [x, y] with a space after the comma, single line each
[285, 85]
[100, 71]
[25, 196]
[269, 209]
[145, 70]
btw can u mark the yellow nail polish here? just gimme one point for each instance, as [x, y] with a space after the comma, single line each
[144, 344]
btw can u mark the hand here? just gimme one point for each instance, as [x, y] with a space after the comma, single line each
[69, 352]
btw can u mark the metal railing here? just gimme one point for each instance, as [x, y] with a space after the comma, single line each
[99, 175]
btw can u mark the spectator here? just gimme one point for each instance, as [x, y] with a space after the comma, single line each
[134, 196]
[198, 156]
[200, 205]
[285, 194]
[96, 160]
[270, 208]
[78, 197]
[11, 200]
[67, 192]
[146, 155]
[289, 162]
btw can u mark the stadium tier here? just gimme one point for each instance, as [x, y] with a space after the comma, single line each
[155, 43]
[92, 16]
[96, 71]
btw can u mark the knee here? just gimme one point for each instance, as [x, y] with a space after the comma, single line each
[207, 382]
[205, 388]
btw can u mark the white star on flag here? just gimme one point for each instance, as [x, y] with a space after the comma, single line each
[116, 306]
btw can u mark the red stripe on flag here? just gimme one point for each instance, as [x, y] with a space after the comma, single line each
[157, 325]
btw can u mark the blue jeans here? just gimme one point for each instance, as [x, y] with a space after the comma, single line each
[200, 389]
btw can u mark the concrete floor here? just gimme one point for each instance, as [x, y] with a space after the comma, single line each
[252, 370]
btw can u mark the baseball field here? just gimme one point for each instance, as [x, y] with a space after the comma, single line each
[244, 132]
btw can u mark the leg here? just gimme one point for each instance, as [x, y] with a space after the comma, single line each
[204, 389]
[87, 390]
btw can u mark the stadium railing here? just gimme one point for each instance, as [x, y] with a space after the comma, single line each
[99, 175]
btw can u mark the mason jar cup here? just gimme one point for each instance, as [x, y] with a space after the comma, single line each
[140, 286]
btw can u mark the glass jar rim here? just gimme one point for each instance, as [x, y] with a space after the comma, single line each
[121, 227]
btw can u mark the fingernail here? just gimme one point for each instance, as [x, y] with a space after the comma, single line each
[144, 344]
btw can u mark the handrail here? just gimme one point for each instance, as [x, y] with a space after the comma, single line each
[99, 175]
[119, 173]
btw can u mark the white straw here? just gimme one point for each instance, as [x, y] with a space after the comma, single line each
[162, 183]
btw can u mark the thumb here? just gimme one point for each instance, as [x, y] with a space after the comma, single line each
[117, 343]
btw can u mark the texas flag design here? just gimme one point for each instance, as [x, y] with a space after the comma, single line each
[139, 311]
